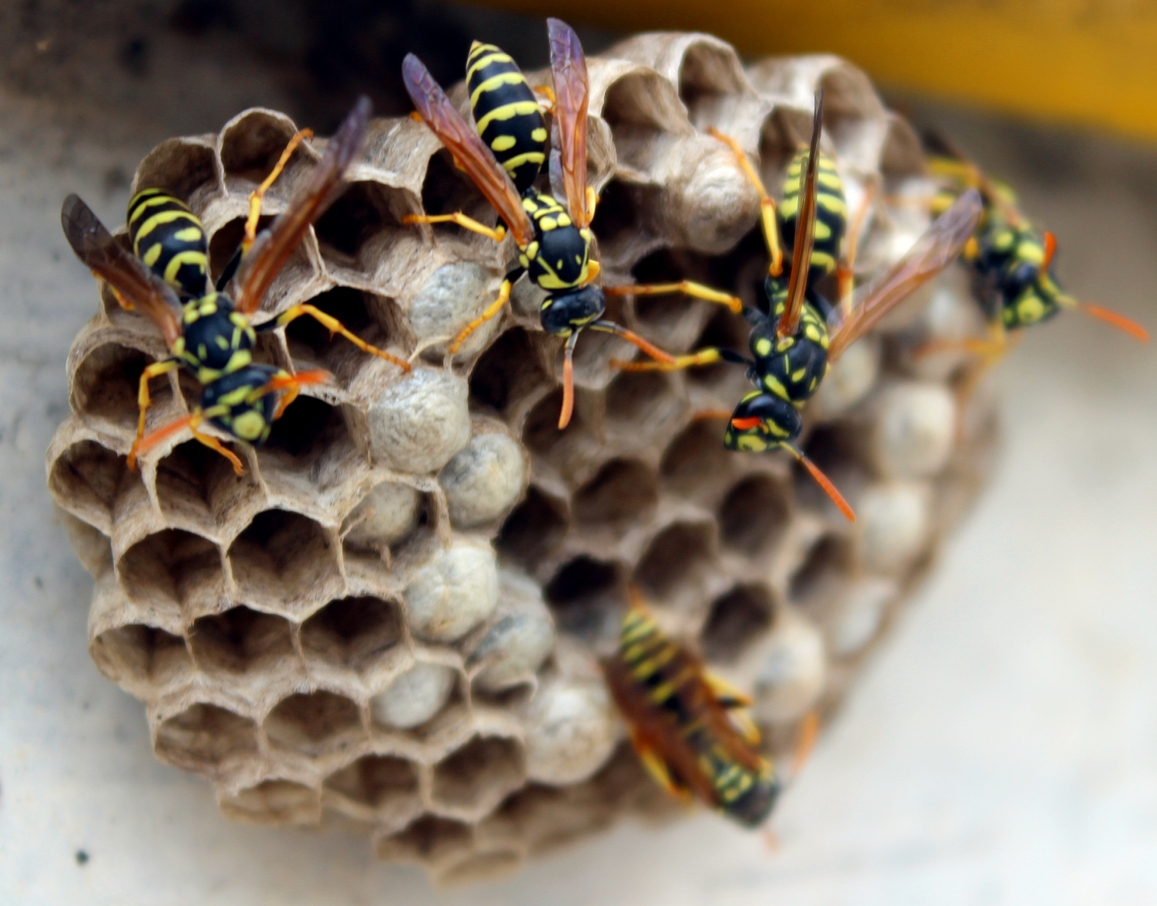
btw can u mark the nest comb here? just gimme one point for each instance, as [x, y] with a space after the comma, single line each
[393, 621]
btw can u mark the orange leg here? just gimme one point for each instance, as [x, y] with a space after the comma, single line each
[498, 233]
[489, 312]
[258, 194]
[336, 327]
[845, 272]
[766, 204]
[193, 422]
[689, 287]
[567, 382]
[143, 402]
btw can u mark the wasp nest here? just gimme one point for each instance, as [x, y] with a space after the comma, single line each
[394, 618]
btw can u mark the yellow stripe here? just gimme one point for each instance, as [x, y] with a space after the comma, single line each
[141, 205]
[533, 157]
[163, 217]
[154, 252]
[503, 78]
[179, 260]
[492, 56]
[506, 112]
[189, 234]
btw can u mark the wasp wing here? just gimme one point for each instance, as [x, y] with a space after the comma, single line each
[805, 231]
[568, 66]
[273, 246]
[139, 287]
[938, 247]
[470, 152]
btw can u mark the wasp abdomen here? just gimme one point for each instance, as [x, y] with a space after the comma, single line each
[831, 212]
[506, 113]
[170, 240]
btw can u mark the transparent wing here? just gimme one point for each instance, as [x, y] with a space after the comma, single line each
[468, 149]
[273, 246]
[139, 287]
[805, 230]
[568, 66]
[938, 247]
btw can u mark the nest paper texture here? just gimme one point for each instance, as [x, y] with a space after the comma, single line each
[394, 620]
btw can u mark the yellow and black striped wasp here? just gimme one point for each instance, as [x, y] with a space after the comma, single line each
[210, 333]
[688, 727]
[1011, 257]
[500, 155]
[791, 343]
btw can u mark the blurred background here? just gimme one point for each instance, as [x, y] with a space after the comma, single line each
[1003, 746]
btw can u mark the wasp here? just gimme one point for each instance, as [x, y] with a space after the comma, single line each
[689, 728]
[503, 155]
[1011, 257]
[800, 334]
[211, 333]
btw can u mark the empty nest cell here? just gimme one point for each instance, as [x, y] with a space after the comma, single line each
[179, 166]
[310, 445]
[377, 782]
[822, 572]
[643, 408]
[105, 386]
[533, 529]
[173, 570]
[754, 515]
[285, 560]
[360, 226]
[447, 189]
[710, 77]
[253, 142]
[205, 739]
[274, 802]
[587, 597]
[242, 640]
[508, 373]
[355, 633]
[314, 722]
[197, 486]
[674, 557]
[623, 492]
[476, 777]
[140, 656]
[736, 621]
[427, 840]
[94, 482]
[374, 319]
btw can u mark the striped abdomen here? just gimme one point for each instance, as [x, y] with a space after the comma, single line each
[170, 240]
[831, 213]
[506, 113]
[662, 690]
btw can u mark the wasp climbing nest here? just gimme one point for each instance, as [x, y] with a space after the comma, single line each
[394, 619]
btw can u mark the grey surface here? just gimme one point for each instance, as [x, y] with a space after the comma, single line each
[1001, 750]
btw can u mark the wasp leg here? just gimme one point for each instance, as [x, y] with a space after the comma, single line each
[706, 356]
[258, 194]
[567, 382]
[213, 444]
[292, 384]
[592, 203]
[726, 694]
[487, 313]
[846, 270]
[631, 337]
[809, 731]
[547, 100]
[334, 326]
[658, 769]
[766, 203]
[193, 422]
[689, 287]
[144, 400]
[497, 233]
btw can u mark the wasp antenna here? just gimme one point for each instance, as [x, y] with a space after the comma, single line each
[1128, 325]
[824, 482]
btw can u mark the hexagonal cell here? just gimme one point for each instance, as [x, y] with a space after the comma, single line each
[205, 739]
[621, 221]
[358, 225]
[674, 556]
[197, 486]
[695, 460]
[315, 722]
[587, 597]
[374, 319]
[533, 529]
[282, 558]
[353, 632]
[94, 482]
[310, 445]
[508, 373]
[644, 408]
[378, 781]
[822, 572]
[476, 777]
[638, 107]
[179, 166]
[540, 432]
[447, 189]
[252, 144]
[173, 569]
[297, 270]
[834, 448]
[274, 802]
[622, 493]
[736, 621]
[429, 839]
[105, 385]
[709, 78]
[754, 515]
[242, 640]
[136, 654]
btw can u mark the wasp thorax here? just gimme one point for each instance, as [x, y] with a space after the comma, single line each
[216, 338]
[565, 312]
